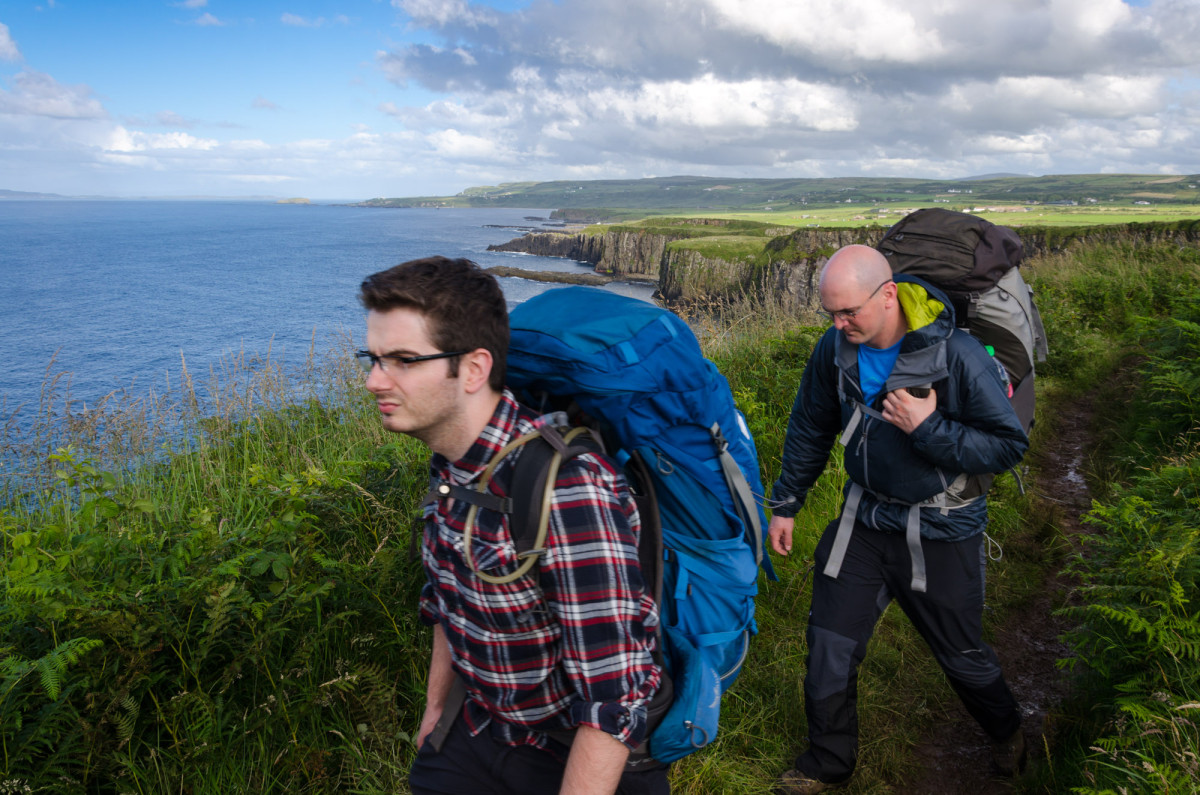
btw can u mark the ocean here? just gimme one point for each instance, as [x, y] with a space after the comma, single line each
[114, 295]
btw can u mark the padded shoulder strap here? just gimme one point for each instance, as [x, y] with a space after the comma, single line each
[532, 488]
[559, 446]
[739, 488]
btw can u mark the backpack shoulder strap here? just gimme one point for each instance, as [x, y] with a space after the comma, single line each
[739, 489]
[480, 497]
[532, 491]
[533, 480]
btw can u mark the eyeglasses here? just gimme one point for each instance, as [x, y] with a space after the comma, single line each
[850, 314]
[394, 363]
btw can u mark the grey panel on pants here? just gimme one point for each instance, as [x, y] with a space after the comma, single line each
[829, 662]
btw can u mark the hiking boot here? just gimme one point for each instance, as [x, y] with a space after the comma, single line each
[1008, 756]
[794, 782]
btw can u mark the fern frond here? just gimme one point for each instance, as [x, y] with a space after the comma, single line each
[52, 666]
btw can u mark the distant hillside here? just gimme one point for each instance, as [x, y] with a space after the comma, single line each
[593, 200]
[20, 194]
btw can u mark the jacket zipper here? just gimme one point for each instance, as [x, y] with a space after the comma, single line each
[862, 451]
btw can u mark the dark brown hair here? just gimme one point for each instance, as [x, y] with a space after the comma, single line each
[463, 306]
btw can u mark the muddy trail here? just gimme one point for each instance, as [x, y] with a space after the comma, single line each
[955, 757]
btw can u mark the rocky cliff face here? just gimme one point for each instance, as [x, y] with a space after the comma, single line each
[682, 275]
[790, 263]
[686, 276]
[614, 253]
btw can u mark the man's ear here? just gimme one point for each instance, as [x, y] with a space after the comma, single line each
[891, 292]
[474, 370]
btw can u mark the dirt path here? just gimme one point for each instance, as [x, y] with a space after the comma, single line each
[955, 758]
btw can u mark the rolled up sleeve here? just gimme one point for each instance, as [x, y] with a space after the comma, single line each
[592, 580]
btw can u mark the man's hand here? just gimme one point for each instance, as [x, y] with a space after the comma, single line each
[780, 533]
[441, 677]
[428, 721]
[906, 412]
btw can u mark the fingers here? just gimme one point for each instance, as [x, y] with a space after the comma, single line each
[780, 534]
[906, 411]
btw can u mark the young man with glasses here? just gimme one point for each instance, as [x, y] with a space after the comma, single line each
[555, 668]
[922, 412]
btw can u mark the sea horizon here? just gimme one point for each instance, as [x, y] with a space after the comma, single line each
[113, 295]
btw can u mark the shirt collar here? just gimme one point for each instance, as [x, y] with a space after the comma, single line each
[501, 428]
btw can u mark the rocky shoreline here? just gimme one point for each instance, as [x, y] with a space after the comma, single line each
[561, 277]
[685, 275]
[788, 265]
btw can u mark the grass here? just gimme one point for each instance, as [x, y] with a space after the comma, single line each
[211, 590]
[219, 605]
[1015, 215]
[1122, 325]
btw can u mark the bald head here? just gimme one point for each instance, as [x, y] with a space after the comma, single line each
[857, 291]
[855, 267]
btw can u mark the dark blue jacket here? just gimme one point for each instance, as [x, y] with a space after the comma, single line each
[974, 431]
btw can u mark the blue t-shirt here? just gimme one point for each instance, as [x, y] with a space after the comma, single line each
[874, 367]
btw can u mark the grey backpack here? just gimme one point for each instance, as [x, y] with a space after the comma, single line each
[977, 264]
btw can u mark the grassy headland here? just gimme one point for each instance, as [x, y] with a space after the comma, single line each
[1104, 198]
[214, 592]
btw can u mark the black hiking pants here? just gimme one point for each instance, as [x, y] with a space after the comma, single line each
[486, 765]
[844, 612]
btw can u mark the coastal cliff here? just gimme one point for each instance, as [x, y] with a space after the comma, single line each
[697, 260]
[688, 269]
[617, 253]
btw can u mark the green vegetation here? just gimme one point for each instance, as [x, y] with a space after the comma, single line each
[213, 592]
[1130, 319]
[694, 228]
[236, 616]
[1047, 200]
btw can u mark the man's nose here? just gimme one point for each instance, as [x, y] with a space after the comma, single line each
[377, 379]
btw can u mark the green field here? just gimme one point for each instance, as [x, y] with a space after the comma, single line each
[1012, 200]
[1015, 216]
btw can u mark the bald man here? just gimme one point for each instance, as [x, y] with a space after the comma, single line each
[921, 409]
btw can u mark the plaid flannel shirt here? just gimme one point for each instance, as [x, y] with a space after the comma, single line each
[568, 644]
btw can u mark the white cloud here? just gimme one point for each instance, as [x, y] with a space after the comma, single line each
[1089, 19]
[848, 30]
[249, 145]
[711, 104]
[125, 141]
[208, 20]
[260, 179]
[38, 94]
[616, 88]
[1030, 144]
[457, 146]
[1016, 103]
[767, 85]
[8, 47]
[446, 12]
[169, 118]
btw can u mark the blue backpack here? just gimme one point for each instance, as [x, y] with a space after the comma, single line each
[635, 372]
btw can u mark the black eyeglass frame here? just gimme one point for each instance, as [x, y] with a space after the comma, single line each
[850, 314]
[368, 360]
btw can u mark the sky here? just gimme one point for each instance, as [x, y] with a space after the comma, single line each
[356, 99]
